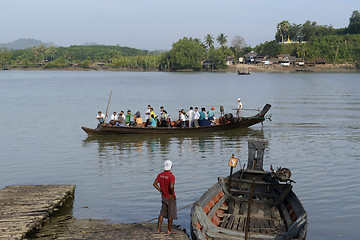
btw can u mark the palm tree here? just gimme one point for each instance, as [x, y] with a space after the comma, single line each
[209, 40]
[36, 54]
[52, 52]
[42, 49]
[221, 39]
[283, 29]
[301, 51]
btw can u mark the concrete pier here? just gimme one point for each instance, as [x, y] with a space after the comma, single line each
[24, 209]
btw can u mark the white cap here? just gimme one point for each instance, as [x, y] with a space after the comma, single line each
[239, 99]
[167, 165]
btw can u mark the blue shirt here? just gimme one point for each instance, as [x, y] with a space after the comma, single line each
[152, 122]
[202, 115]
[211, 113]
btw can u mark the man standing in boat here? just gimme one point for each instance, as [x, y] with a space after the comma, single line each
[196, 117]
[238, 112]
[191, 115]
[147, 117]
[166, 180]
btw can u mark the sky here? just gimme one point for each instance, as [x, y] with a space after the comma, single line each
[157, 24]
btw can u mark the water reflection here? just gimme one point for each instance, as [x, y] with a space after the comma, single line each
[116, 150]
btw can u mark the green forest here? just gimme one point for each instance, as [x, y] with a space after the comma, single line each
[308, 41]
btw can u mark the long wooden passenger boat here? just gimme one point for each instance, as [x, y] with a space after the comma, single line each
[224, 124]
[250, 204]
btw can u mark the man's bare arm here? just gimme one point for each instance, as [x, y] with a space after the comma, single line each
[156, 185]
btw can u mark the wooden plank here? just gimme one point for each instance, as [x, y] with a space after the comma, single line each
[236, 222]
[270, 184]
[231, 206]
[236, 208]
[257, 193]
[295, 204]
[265, 224]
[271, 224]
[24, 208]
[235, 199]
[283, 194]
[286, 215]
[217, 206]
[241, 225]
[243, 208]
[225, 221]
[267, 211]
[231, 221]
[256, 225]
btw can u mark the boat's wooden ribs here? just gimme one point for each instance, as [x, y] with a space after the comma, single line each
[264, 226]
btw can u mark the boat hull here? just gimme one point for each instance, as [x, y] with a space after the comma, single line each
[276, 212]
[239, 123]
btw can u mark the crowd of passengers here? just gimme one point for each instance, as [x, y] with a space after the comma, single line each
[192, 118]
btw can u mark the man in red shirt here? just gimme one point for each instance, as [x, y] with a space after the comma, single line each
[168, 210]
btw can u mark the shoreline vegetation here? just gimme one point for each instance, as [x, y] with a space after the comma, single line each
[304, 47]
[325, 68]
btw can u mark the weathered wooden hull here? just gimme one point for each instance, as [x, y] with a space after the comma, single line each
[242, 123]
[276, 212]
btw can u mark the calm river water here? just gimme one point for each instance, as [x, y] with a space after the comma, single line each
[315, 132]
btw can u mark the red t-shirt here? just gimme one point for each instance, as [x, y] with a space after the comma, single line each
[165, 178]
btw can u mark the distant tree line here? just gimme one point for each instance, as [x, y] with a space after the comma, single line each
[309, 30]
[308, 41]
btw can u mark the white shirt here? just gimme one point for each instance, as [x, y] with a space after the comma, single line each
[147, 114]
[100, 116]
[240, 105]
[196, 115]
[191, 115]
[114, 117]
[182, 117]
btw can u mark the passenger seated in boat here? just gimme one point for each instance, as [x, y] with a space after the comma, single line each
[113, 119]
[129, 119]
[139, 120]
[203, 120]
[100, 117]
[164, 119]
[153, 122]
[121, 119]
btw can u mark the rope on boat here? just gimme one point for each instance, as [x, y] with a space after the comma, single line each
[127, 225]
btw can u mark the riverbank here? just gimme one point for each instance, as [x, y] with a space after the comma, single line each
[320, 68]
[71, 228]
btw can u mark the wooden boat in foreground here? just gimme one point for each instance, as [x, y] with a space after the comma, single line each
[225, 123]
[250, 204]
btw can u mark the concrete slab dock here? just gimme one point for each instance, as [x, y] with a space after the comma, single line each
[24, 209]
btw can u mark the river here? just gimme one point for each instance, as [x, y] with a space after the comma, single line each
[315, 132]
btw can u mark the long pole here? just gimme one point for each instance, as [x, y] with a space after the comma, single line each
[107, 106]
[231, 172]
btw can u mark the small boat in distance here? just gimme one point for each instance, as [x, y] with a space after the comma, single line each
[228, 121]
[248, 72]
[250, 204]
[303, 70]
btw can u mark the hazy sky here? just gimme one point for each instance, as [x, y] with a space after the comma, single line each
[157, 24]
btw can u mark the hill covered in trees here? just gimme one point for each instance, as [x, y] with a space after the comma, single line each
[24, 43]
[308, 41]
